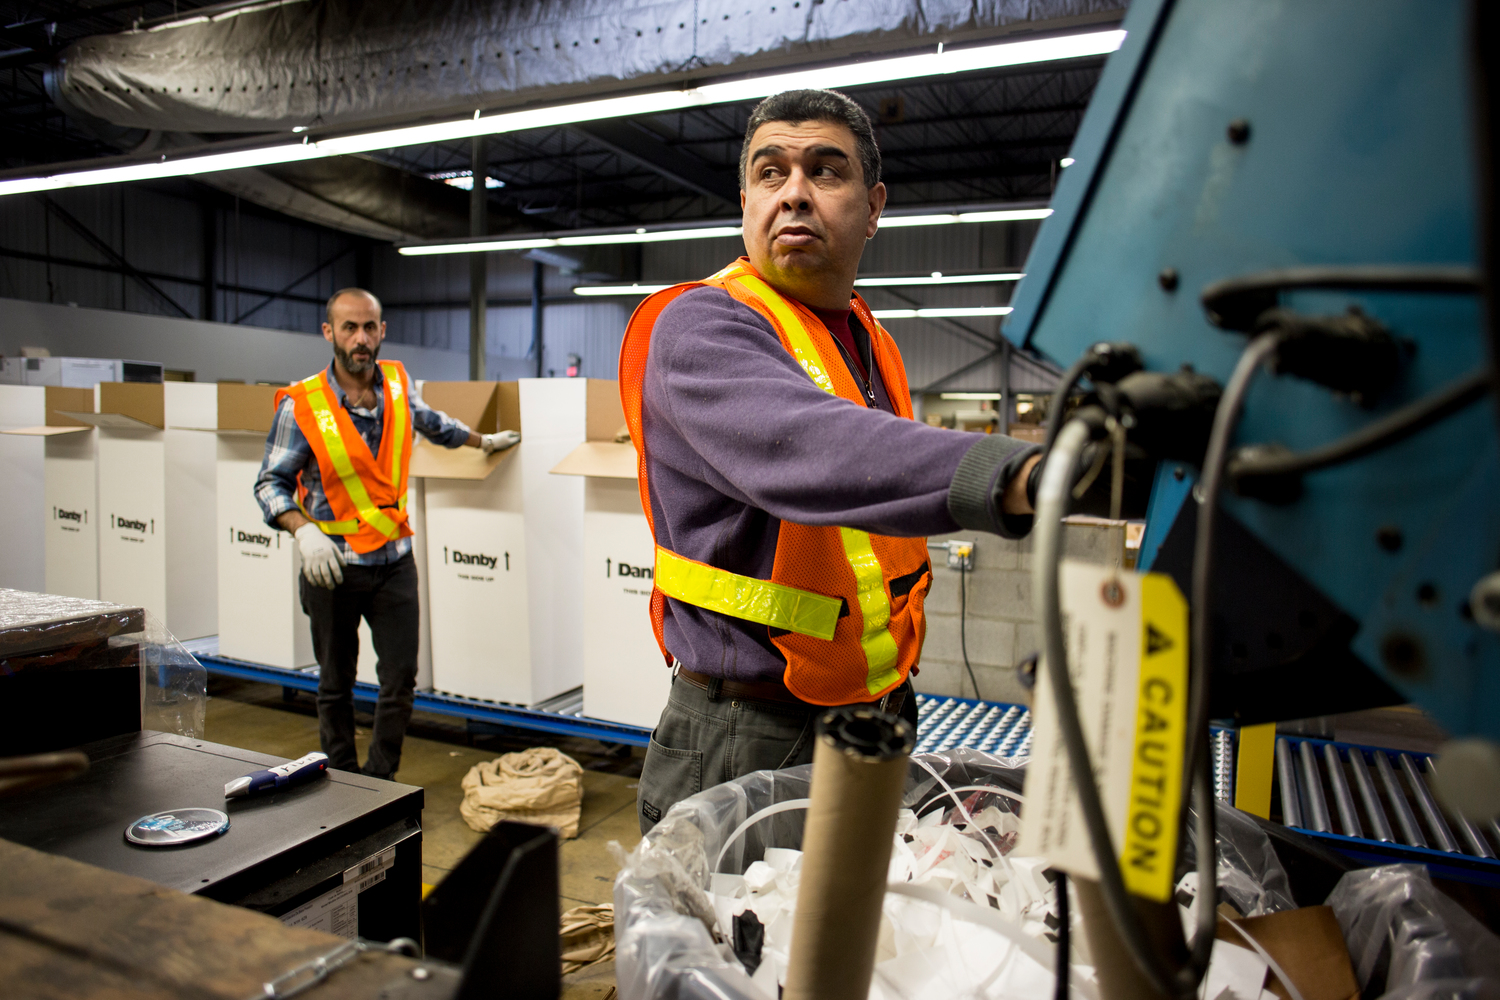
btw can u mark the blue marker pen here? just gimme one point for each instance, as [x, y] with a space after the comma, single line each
[276, 778]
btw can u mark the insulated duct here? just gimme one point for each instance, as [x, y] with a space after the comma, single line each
[279, 64]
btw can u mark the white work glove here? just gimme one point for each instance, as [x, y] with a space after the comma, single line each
[492, 443]
[322, 563]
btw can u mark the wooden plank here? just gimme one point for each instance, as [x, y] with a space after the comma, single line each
[70, 930]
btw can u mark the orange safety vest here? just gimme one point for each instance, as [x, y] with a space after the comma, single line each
[367, 492]
[828, 605]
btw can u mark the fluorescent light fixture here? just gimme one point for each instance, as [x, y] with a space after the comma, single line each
[1066, 161]
[1004, 215]
[941, 313]
[852, 74]
[969, 395]
[938, 278]
[464, 180]
[586, 240]
[618, 289]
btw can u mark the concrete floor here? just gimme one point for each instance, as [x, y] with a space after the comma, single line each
[437, 754]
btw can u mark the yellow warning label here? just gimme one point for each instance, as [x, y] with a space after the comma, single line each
[1149, 845]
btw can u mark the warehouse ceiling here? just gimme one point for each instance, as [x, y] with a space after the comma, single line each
[83, 81]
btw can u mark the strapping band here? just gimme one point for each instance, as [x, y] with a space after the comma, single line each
[762, 601]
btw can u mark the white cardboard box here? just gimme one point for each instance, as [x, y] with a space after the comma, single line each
[625, 677]
[477, 581]
[72, 496]
[260, 606]
[22, 408]
[417, 518]
[157, 501]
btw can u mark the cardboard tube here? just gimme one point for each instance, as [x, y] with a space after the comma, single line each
[859, 772]
[1118, 976]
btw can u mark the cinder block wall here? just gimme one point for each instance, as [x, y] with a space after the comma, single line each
[998, 622]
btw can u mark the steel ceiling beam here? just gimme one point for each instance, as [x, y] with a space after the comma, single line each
[639, 146]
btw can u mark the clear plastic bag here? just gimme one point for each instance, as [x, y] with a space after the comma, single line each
[1410, 941]
[52, 633]
[664, 944]
[174, 685]
[1250, 876]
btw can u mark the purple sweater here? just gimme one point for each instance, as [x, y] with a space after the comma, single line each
[738, 439]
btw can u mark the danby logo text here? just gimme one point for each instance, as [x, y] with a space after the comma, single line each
[125, 522]
[249, 539]
[69, 515]
[474, 558]
[625, 569]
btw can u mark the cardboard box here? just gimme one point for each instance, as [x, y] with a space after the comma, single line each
[260, 606]
[157, 500]
[625, 678]
[21, 487]
[476, 549]
[69, 532]
[417, 518]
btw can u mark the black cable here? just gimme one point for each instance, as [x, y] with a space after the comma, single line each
[1199, 784]
[1052, 506]
[1388, 430]
[1064, 935]
[963, 613]
[1065, 386]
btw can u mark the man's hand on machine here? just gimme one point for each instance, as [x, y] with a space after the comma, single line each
[500, 441]
[322, 563]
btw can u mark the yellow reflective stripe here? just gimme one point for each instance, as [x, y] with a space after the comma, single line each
[803, 348]
[880, 649]
[328, 426]
[399, 420]
[773, 604]
[330, 527]
[876, 640]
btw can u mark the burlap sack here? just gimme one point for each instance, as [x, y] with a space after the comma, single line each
[587, 936]
[542, 785]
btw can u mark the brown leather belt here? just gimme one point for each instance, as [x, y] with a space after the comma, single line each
[776, 692]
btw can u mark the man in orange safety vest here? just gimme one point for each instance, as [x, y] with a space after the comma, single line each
[335, 476]
[787, 486]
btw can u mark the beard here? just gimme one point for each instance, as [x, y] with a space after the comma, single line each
[356, 365]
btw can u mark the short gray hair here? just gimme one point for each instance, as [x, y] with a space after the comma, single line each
[796, 106]
[328, 311]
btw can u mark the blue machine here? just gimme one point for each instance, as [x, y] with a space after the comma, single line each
[1229, 140]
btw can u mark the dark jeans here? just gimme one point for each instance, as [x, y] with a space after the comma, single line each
[386, 597]
[702, 742]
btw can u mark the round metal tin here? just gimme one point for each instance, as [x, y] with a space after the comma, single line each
[177, 826]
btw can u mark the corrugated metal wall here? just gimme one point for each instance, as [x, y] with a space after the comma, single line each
[167, 236]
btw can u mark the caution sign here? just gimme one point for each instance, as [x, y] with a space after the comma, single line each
[1149, 849]
[1127, 656]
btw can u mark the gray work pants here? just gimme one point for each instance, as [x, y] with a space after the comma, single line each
[702, 742]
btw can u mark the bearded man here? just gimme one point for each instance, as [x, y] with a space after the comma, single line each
[335, 477]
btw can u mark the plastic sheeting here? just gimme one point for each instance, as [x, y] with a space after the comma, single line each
[1409, 941]
[286, 63]
[52, 632]
[174, 685]
[664, 909]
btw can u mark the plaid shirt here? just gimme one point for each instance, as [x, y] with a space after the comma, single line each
[288, 453]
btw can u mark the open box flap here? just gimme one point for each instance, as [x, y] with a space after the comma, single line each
[431, 461]
[46, 431]
[142, 403]
[112, 421]
[246, 407]
[604, 459]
